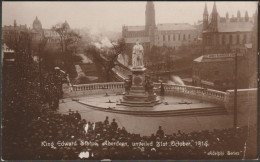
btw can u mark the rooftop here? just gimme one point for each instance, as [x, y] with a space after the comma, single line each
[235, 26]
[135, 28]
[175, 26]
[140, 39]
[11, 27]
[216, 57]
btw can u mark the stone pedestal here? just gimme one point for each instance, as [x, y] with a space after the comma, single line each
[138, 96]
[138, 81]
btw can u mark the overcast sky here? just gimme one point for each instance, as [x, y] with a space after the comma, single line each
[112, 15]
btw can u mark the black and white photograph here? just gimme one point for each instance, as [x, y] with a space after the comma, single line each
[129, 80]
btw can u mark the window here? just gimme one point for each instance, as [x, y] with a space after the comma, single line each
[238, 42]
[179, 36]
[219, 39]
[230, 39]
[163, 37]
[244, 40]
[184, 38]
[223, 39]
[216, 39]
[169, 36]
[174, 37]
[189, 36]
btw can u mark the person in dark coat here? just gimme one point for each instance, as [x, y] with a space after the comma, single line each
[162, 89]
[114, 125]
[77, 115]
[160, 132]
[106, 122]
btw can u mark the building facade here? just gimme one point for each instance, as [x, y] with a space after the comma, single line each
[223, 34]
[216, 71]
[221, 37]
[11, 32]
[170, 34]
[39, 33]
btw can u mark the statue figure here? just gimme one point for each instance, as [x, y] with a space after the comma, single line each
[148, 86]
[138, 55]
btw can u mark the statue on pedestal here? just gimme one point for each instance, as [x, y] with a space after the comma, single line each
[138, 88]
[138, 56]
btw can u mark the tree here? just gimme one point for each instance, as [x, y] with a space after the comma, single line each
[68, 42]
[107, 58]
[19, 40]
[67, 36]
[41, 47]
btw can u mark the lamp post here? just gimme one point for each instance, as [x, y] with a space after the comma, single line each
[235, 91]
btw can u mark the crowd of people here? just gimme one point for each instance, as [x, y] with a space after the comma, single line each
[34, 130]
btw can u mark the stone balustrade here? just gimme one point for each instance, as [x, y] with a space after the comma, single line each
[193, 92]
[247, 98]
[95, 86]
[91, 89]
[170, 89]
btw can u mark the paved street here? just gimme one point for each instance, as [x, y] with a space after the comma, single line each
[149, 125]
[102, 101]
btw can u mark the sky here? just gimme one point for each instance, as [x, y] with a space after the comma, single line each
[110, 16]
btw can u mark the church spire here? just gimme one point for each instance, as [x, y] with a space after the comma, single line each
[238, 14]
[205, 10]
[149, 15]
[205, 17]
[227, 15]
[214, 18]
[214, 8]
[15, 24]
[246, 16]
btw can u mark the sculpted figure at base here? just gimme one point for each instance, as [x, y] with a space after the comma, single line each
[138, 55]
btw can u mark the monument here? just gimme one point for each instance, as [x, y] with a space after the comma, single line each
[139, 88]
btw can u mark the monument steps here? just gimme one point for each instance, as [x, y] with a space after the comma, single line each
[141, 104]
[190, 112]
[207, 111]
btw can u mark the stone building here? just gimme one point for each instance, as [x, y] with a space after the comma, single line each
[170, 34]
[253, 58]
[10, 32]
[222, 34]
[221, 37]
[216, 71]
[39, 33]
